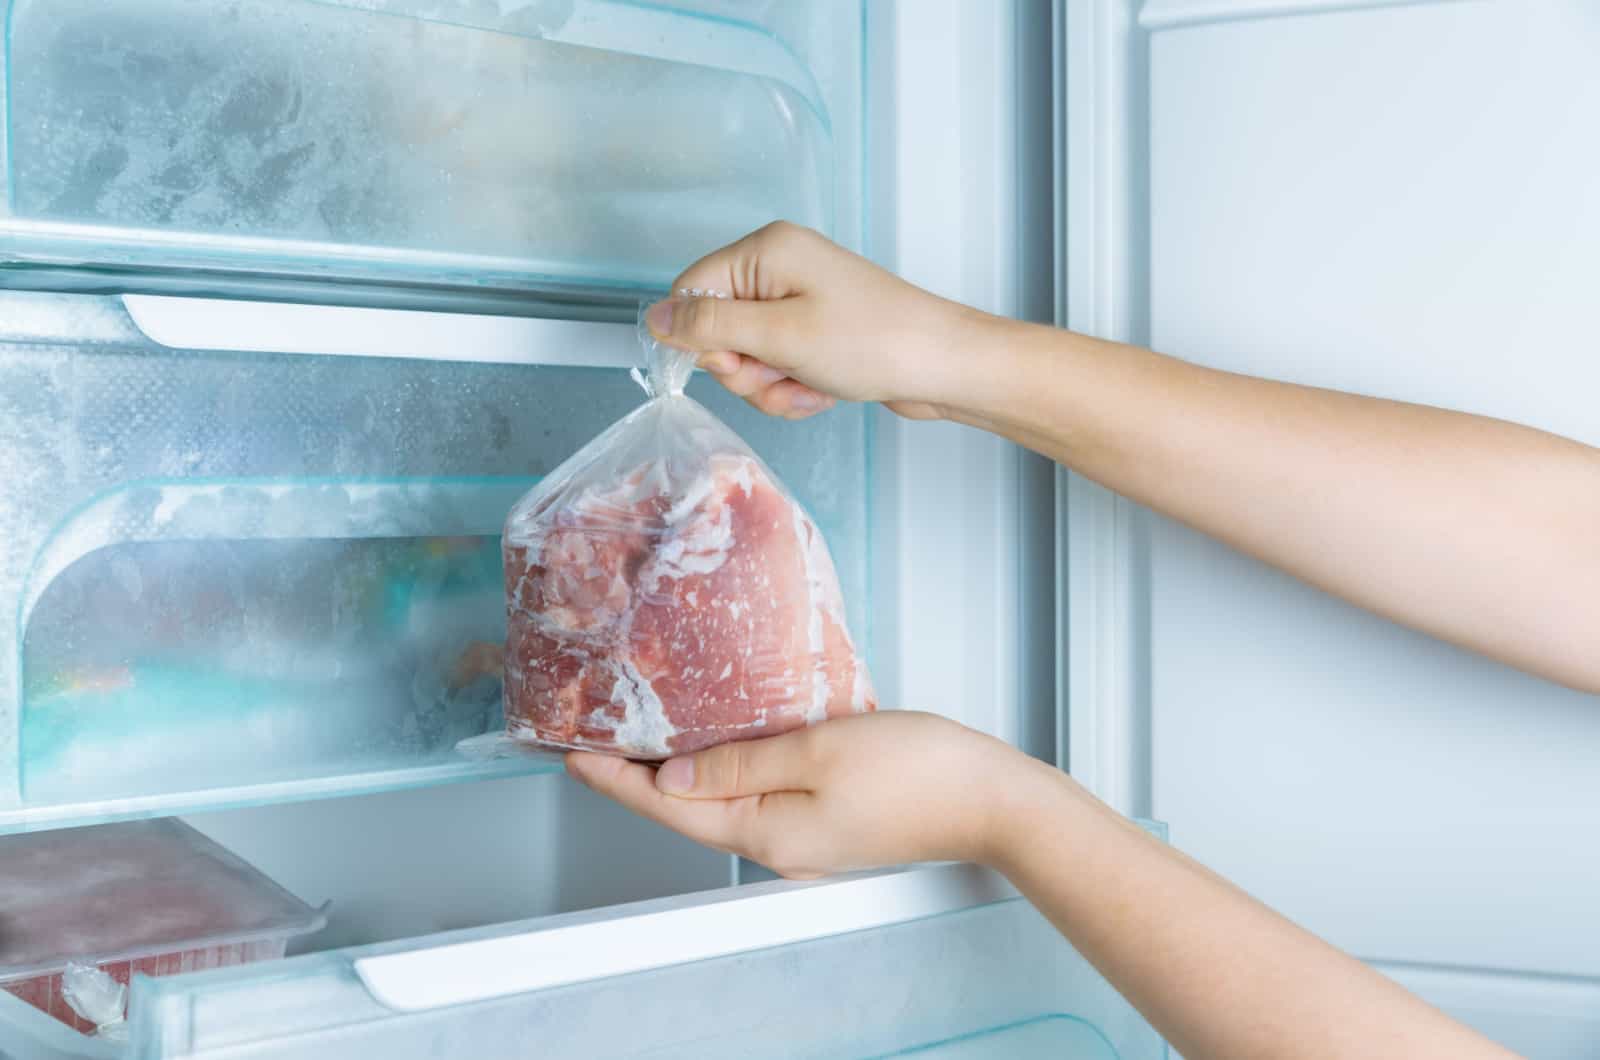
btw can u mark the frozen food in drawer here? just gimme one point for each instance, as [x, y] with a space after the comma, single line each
[148, 897]
[586, 146]
[232, 578]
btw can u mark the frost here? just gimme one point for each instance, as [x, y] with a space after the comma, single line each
[644, 726]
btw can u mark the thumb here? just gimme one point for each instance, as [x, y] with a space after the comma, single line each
[712, 325]
[732, 770]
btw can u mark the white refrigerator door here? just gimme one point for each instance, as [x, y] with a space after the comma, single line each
[1395, 199]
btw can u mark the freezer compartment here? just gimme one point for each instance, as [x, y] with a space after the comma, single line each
[145, 897]
[582, 149]
[235, 578]
[990, 980]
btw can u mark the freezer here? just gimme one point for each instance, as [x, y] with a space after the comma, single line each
[297, 297]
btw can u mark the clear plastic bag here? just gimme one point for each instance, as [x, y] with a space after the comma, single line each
[98, 999]
[665, 593]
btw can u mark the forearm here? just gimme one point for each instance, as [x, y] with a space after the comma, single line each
[1217, 973]
[1481, 532]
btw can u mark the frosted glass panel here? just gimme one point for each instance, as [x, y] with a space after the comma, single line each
[235, 578]
[231, 662]
[581, 146]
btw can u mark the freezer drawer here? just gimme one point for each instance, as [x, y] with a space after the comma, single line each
[574, 149]
[239, 577]
[994, 979]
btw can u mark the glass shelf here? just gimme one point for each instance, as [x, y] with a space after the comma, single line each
[585, 150]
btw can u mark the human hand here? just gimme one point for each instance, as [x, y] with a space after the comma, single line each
[808, 322]
[859, 792]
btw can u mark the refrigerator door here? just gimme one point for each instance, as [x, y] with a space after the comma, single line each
[1393, 199]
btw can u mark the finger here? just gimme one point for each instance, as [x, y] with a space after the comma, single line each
[731, 270]
[752, 767]
[764, 386]
[750, 377]
[791, 400]
[764, 264]
[720, 362]
[633, 785]
[783, 831]
[708, 325]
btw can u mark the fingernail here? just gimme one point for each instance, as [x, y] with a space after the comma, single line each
[720, 363]
[805, 401]
[659, 318]
[676, 776]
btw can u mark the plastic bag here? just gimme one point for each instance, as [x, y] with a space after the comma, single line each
[98, 999]
[665, 593]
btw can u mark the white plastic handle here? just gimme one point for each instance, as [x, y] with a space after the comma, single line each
[286, 327]
[599, 945]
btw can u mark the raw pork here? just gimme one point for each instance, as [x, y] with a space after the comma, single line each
[153, 897]
[660, 614]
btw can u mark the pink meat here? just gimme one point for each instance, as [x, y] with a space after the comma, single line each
[650, 625]
[151, 897]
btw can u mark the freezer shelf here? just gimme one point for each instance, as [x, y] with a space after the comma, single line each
[238, 578]
[991, 980]
[1053, 1037]
[583, 150]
